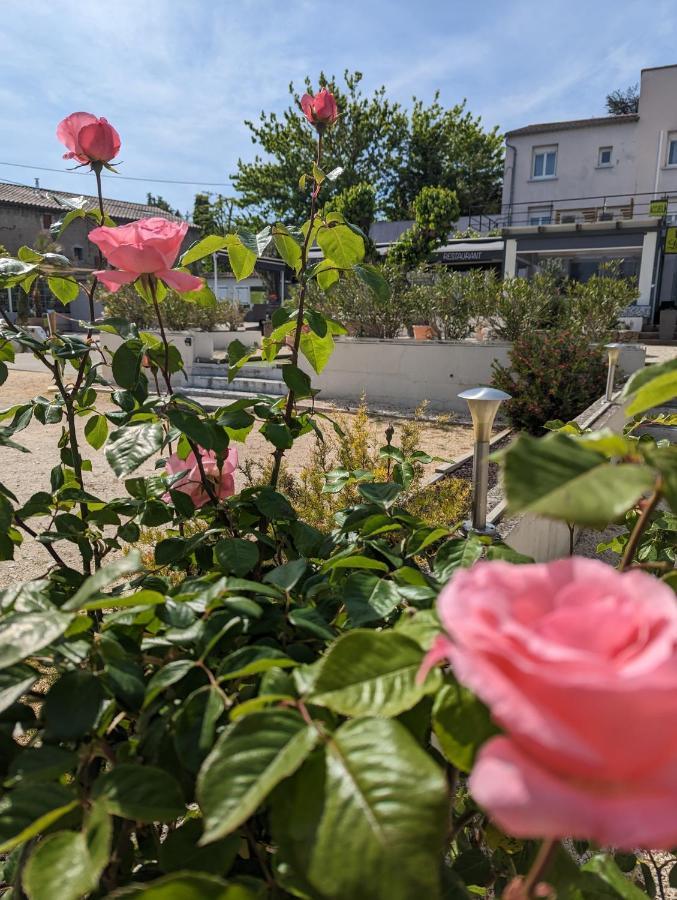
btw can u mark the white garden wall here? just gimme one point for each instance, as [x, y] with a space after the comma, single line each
[402, 373]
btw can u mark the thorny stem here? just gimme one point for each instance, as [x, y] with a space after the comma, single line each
[291, 396]
[539, 869]
[206, 483]
[639, 528]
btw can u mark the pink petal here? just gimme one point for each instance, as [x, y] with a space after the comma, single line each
[439, 652]
[114, 279]
[180, 281]
[529, 800]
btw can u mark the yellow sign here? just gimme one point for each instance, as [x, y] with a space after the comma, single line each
[658, 207]
[671, 240]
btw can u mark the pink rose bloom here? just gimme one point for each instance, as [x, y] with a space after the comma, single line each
[219, 472]
[578, 665]
[320, 110]
[146, 247]
[88, 139]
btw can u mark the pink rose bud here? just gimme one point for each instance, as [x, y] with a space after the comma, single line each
[578, 666]
[88, 139]
[146, 247]
[218, 471]
[320, 110]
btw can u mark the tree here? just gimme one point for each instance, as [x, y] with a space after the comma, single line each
[380, 143]
[160, 202]
[622, 103]
[435, 211]
[368, 145]
[213, 216]
[448, 148]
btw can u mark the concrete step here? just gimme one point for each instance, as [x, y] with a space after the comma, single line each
[271, 386]
[269, 371]
[211, 399]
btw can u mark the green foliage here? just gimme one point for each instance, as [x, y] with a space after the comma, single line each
[435, 210]
[551, 375]
[178, 312]
[378, 143]
[240, 715]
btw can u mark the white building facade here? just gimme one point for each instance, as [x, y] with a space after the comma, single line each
[586, 191]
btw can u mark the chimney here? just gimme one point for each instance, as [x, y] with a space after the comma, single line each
[37, 182]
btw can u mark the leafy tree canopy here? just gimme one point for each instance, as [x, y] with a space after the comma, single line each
[397, 151]
[160, 202]
[621, 103]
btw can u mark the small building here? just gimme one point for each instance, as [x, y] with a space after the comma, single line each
[31, 216]
[591, 190]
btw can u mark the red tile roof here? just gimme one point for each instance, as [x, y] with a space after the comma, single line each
[573, 123]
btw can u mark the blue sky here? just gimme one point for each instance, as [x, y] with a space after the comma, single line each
[178, 77]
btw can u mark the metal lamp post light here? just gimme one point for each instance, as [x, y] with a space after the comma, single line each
[614, 351]
[483, 403]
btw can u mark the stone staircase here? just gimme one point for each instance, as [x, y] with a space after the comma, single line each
[209, 381]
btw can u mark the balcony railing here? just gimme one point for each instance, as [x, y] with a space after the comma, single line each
[578, 210]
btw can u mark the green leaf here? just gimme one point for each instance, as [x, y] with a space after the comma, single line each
[14, 682]
[287, 575]
[366, 820]
[317, 350]
[278, 434]
[601, 876]
[140, 792]
[252, 660]
[369, 598]
[26, 811]
[556, 477]
[365, 672]
[103, 578]
[354, 562]
[288, 248]
[297, 381]
[383, 494]
[167, 676]
[340, 244]
[60, 866]
[241, 257]
[185, 886]
[23, 634]
[72, 705]
[208, 245]
[652, 386]
[128, 447]
[194, 726]
[459, 553]
[250, 758]
[64, 289]
[236, 556]
[96, 431]
[326, 273]
[126, 364]
[372, 277]
[461, 724]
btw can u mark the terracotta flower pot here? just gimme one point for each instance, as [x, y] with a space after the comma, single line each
[423, 333]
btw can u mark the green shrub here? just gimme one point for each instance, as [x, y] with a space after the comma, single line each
[552, 375]
[179, 314]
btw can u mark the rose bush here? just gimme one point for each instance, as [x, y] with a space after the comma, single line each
[237, 714]
[566, 655]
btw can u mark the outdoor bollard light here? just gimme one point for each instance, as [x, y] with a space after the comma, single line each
[483, 403]
[614, 351]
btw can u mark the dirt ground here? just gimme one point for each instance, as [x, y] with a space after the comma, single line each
[27, 473]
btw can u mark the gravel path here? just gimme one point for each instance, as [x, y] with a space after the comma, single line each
[25, 474]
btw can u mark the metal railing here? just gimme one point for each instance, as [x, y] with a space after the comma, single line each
[578, 210]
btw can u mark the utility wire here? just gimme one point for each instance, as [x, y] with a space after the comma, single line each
[123, 177]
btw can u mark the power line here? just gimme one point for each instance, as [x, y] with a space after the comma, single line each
[123, 177]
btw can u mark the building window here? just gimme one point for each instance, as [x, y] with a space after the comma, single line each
[46, 220]
[604, 157]
[545, 162]
[78, 254]
[672, 149]
[540, 215]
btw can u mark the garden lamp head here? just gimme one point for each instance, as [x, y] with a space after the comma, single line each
[483, 403]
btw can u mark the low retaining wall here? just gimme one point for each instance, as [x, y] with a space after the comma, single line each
[402, 373]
